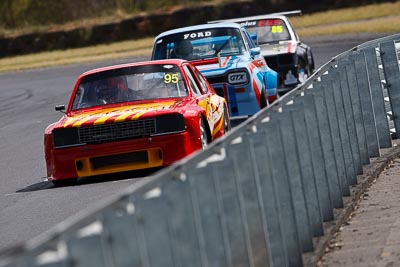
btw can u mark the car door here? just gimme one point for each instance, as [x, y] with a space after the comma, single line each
[205, 98]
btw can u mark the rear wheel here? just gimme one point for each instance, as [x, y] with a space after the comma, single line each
[227, 122]
[203, 134]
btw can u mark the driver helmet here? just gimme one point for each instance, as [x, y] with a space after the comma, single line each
[184, 49]
[106, 91]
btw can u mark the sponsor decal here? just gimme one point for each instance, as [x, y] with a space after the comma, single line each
[249, 23]
[269, 22]
[237, 77]
[195, 35]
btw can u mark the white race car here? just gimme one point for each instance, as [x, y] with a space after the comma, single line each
[281, 47]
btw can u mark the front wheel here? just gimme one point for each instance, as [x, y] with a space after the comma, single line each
[263, 98]
[65, 182]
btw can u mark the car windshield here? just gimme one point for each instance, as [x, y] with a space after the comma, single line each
[129, 84]
[201, 44]
[268, 30]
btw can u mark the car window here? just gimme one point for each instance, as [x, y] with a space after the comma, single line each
[200, 44]
[248, 39]
[201, 79]
[129, 84]
[269, 30]
[290, 25]
[192, 82]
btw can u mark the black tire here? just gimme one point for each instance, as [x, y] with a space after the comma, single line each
[264, 98]
[203, 134]
[227, 122]
[65, 182]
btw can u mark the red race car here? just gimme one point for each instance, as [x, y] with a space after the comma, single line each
[131, 117]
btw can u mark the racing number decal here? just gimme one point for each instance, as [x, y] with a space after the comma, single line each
[171, 78]
[276, 29]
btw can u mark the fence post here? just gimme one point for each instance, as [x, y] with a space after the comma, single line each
[275, 232]
[317, 155]
[392, 74]
[246, 171]
[350, 117]
[327, 146]
[208, 222]
[182, 221]
[366, 105]
[120, 226]
[357, 111]
[283, 191]
[287, 133]
[154, 229]
[382, 124]
[232, 215]
[343, 128]
[306, 166]
[335, 133]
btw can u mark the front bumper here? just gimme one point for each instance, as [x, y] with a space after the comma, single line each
[119, 156]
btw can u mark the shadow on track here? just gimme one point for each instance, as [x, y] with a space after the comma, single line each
[44, 185]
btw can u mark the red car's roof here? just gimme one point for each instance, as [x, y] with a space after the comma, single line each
[141, 63]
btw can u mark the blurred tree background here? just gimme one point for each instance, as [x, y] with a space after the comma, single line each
[17, 14]
[22, 13]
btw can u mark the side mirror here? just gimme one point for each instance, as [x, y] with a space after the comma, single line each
[59, 108]
[255, 51]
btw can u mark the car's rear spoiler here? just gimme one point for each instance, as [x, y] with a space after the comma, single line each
[285, 13]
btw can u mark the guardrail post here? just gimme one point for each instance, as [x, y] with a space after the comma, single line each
[317, 156]
[232, 212]
[121, 229]
[366, 105]
[335, 133]
[343, 128]
[283, 192]
[85, 250]
[181, 216]
[248, 178]
[306, 166]
[273, 217]
[392, 73]
[208, 221]
[357, 111]
[154, 232]
[327, 146]
[382, 124]
[287, 132]
[350, 118]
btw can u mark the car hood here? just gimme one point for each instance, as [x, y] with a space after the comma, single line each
[212, 66]
[278, 48]
[120, 114]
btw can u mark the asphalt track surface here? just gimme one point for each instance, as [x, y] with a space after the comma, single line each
[30, 205]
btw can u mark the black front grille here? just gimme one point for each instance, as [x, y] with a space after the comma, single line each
[74, 136]
[113, 160]
[216, 79]
[117, 131]
[280, 61]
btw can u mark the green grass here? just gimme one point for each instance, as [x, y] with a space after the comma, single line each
[383, 18]
[348, 14]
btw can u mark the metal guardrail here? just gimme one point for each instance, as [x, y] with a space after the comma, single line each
[257, 196]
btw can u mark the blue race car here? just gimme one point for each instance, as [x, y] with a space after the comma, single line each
[228, 58]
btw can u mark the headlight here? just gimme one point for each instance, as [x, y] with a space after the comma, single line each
[65, 137]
